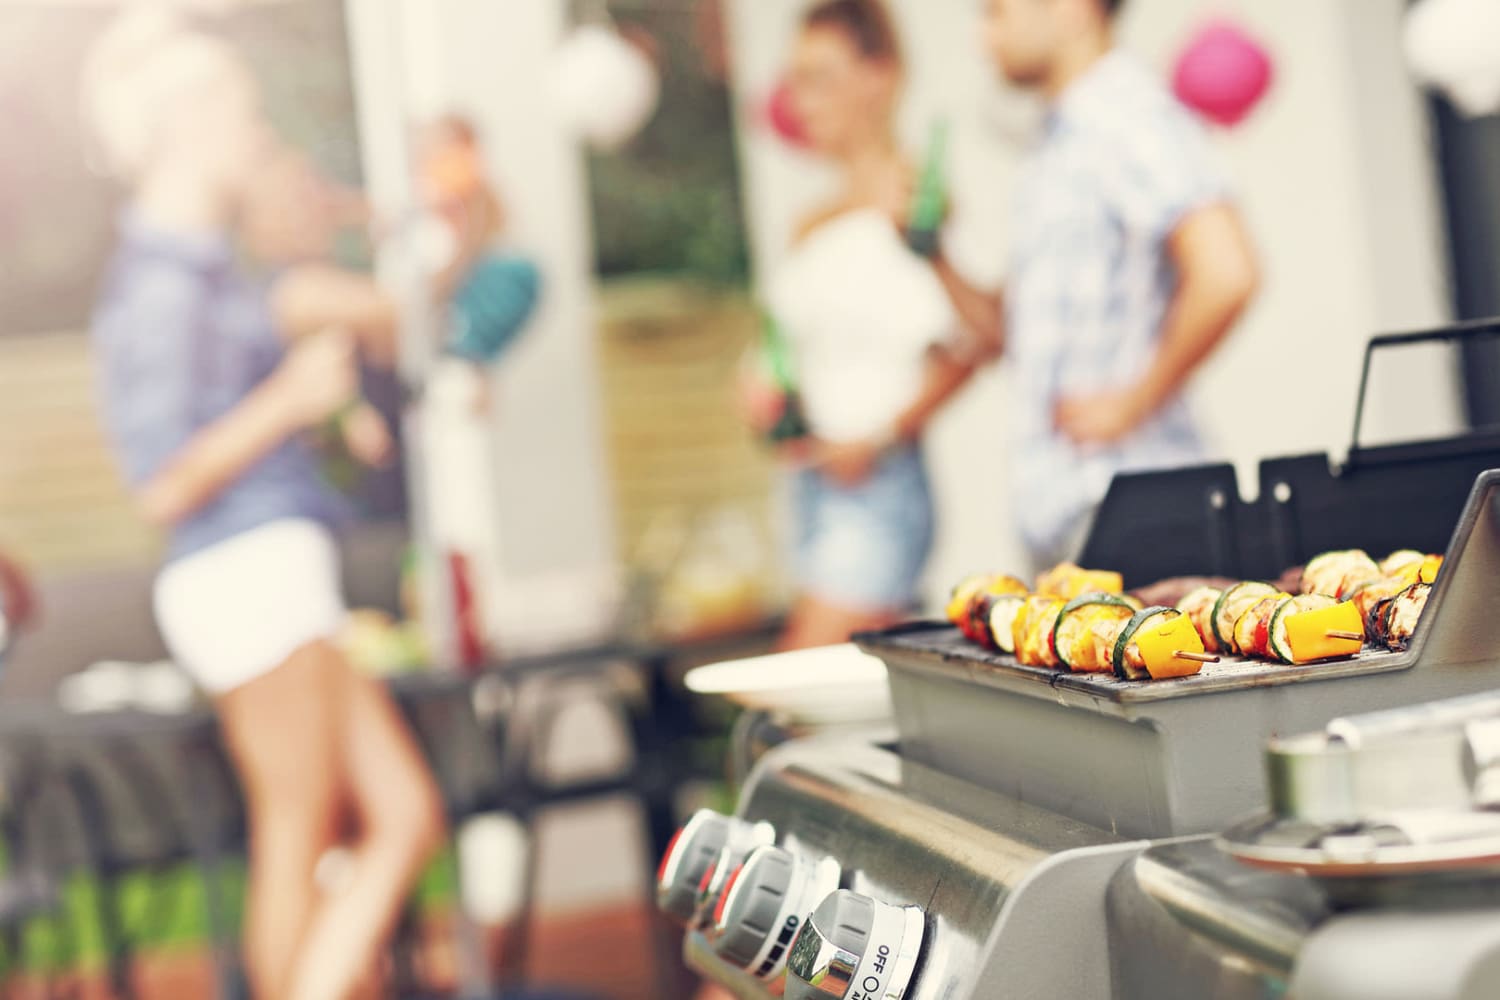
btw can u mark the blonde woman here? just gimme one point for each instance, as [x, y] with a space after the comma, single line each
[207, 397]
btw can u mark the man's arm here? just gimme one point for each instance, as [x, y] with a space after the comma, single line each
[314, 380]
[1216, 277]
[945, 376]
[980, 311]
[313, 298]
[213, 458]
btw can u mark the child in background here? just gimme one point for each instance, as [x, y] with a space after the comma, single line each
[453, 185]
[491, 294]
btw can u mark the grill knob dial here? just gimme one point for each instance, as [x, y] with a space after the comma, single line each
[763, 905]
[709, 842]
[856, 948]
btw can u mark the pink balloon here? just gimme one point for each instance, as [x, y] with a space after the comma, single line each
[782, 118]
[1222, 73]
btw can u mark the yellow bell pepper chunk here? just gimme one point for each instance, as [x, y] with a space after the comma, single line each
[1089, 580]
[1160, 641]
[1312, 635]
[1430, 567]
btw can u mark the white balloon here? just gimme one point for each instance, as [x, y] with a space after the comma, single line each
[606, 89]
[1454, 45]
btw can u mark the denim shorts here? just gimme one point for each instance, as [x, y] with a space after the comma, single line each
[864, 547]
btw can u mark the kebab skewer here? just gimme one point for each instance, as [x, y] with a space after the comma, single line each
[1103, 633]
[1077, 618]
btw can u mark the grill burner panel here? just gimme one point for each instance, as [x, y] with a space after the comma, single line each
[1177, 757]
[971, 860]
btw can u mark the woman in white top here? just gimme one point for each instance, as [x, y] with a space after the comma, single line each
[881, 338]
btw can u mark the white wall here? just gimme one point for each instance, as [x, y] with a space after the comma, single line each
[492, 62]
[1336, 181]
[1333, 177]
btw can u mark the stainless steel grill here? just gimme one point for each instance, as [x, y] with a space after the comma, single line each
[1026, 833]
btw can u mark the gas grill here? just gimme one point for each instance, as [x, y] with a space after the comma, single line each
[1035, 834]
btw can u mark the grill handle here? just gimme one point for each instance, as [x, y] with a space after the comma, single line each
[1475, 330]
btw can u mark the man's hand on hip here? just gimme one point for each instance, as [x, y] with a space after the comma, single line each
[1103, 417]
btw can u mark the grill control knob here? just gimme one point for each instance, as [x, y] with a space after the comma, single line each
[708, 842]
[764, 903]
[856, 948]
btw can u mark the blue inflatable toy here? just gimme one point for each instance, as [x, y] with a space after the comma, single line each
[492, 306]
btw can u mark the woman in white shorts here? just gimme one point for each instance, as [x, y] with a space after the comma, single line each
[207, 398]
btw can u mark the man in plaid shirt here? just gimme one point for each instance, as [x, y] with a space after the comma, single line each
[1128, 266]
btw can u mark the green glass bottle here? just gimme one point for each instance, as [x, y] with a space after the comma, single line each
[930, 200]
[792, 424]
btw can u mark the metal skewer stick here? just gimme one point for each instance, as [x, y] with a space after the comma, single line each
[1181, 654]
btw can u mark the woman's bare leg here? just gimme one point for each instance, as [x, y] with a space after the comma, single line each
[401, 826]
[816, 622]
[281, 731]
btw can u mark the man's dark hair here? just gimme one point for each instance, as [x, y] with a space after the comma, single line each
[866, 23]
[1112, 7]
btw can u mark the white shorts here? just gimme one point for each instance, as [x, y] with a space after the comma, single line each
[236, 610]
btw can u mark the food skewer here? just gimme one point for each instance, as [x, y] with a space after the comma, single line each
[1080, 621]
[1325, 633]
[1159, 643]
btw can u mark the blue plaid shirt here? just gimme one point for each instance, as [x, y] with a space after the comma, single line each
[1119, 164]
[180, 338]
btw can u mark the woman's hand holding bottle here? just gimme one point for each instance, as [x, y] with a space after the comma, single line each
[365, 434]
[318, 383]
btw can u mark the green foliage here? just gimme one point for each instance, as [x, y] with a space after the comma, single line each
[668, 203]
[166, 909]
[58, 217]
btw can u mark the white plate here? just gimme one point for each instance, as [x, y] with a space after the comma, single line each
[823, 685]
